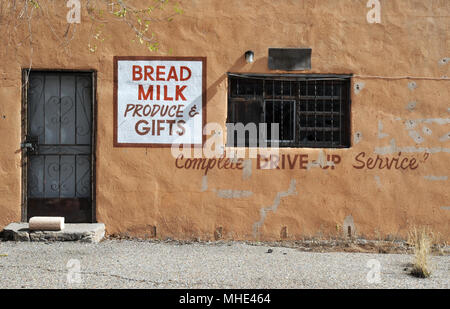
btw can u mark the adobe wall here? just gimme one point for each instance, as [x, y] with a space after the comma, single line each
[138, 188]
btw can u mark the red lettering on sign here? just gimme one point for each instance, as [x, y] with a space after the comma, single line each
[137, 72]
[183, 69]
[145, 95]
[179, 93]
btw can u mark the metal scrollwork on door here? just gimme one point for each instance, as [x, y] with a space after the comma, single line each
[67, 104]
[35, 177]
[35, 109]
[60, 118]
[83, 182]
[83, 128]
[53, 176]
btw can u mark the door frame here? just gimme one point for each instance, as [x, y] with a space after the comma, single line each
[24, 128]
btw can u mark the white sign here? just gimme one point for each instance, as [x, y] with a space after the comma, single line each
[159, 101]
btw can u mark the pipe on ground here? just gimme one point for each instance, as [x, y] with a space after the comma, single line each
[46, 223]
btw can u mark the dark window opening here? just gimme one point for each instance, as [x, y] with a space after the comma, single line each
[310, 110]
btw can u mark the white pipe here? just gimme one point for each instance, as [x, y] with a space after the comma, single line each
[46, 223]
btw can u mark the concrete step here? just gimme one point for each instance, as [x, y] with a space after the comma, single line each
[84, 232]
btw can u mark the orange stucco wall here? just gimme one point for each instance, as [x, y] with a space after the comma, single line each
[138, 188]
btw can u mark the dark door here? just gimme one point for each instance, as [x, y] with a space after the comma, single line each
[58, 145]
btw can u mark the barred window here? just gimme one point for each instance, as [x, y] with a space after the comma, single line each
[310, 110]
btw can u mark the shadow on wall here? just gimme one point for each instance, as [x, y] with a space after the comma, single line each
[237, 66]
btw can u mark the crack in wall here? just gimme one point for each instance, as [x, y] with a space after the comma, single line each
[378, 181]
[225, 193]
[436, 178]
[230, 194]
[273, 208]
[411, 125]
[204, 183]
[393, 148]
[439, 121]
[381, 134]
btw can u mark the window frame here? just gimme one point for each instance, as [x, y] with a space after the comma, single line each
[342, 100]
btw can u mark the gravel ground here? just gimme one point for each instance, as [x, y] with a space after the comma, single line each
[138, 264]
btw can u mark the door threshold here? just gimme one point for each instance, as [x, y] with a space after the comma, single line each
[82, 232]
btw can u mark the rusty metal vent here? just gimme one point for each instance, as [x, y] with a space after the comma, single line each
[311, 110]
[290, 59]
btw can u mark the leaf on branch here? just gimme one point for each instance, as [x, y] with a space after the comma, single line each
[121, 13]
[92, 48]
[178, 9]
[34, 3]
